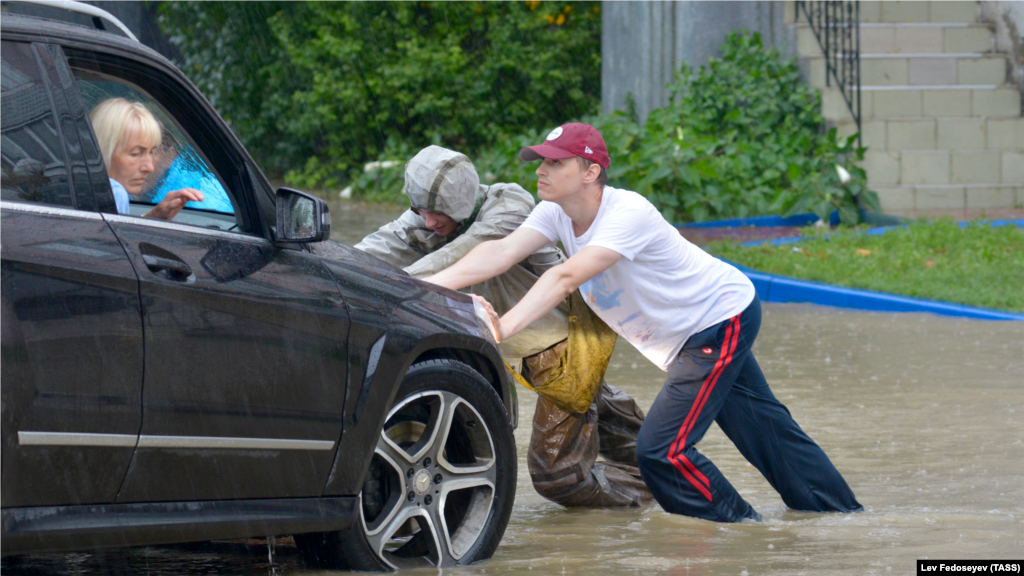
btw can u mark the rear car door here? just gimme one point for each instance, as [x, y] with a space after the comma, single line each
[72, 321]
[245, 360]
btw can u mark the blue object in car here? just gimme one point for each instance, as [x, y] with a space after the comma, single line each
[188, 171]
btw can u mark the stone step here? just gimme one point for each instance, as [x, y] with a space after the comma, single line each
[944, 167]
[943, 129]
[921, 70]
[897, 12]
[914, 11]
[960, 101]
[1002, 134]
[949, 197]
[888, 38]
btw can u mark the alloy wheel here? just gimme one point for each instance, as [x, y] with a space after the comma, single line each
[431, 483]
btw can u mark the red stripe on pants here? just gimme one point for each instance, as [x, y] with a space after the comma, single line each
[675, 455]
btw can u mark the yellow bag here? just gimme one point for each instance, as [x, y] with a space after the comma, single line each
[573, 384]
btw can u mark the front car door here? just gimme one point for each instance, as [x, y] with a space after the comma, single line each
[245, 360]
[72, 321]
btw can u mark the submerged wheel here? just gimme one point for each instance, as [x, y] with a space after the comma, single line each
[441, 483]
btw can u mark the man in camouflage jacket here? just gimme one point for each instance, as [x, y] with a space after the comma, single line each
[451, 213]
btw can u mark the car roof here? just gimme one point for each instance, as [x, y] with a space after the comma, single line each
[24, 27]
[71, 8]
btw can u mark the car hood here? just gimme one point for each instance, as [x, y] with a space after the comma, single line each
[368, 283]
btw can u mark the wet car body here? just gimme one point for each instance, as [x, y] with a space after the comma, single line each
[168, 383]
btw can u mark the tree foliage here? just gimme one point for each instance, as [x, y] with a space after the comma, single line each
[743, 136]
[317, 89]
[230, 52]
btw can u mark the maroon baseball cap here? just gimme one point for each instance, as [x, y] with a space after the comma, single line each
[568, 140]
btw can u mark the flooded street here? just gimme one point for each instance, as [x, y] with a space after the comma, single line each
[921, 414]
[351, 221]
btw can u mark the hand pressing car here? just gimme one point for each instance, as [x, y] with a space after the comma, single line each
[486, 313]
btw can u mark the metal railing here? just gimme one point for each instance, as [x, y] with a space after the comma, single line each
[836, 25]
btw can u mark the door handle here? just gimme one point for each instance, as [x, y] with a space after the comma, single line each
[165, 264]
[168, 268]
[158, 264]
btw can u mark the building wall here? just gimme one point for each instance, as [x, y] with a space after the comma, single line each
[644, 43]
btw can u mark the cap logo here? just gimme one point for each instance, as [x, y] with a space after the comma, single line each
[588, 150]
[555, 133]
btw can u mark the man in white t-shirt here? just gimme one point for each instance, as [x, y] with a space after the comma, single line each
[691, 314]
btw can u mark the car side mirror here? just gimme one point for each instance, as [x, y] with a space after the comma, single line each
[301, 217]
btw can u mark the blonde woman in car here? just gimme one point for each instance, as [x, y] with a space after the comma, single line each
[129, 137]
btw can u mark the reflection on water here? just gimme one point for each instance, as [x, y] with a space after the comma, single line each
[238, 557]
[919, 413]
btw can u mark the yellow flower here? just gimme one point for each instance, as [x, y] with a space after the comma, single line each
[532, 4]
[567, 9]
[549, 18]
[560, 20]
[478, 8]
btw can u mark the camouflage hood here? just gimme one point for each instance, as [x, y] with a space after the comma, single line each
[442, 180]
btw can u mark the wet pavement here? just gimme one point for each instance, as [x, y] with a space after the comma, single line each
[921, 414]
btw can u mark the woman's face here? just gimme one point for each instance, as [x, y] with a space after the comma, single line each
[133, 162]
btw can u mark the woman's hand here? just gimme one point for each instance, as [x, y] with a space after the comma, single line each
[169, 207]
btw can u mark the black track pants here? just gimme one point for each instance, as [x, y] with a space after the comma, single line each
[716, 378]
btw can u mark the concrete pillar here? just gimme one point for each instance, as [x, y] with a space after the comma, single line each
[644, 43]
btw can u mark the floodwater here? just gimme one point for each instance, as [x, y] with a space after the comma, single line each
[350, 221]
[922, 414]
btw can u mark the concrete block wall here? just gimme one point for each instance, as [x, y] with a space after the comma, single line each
[940, 117]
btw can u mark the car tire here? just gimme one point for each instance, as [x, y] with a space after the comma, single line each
[441, 483]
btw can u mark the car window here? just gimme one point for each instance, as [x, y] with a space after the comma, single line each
[177, 163]
[35, 167]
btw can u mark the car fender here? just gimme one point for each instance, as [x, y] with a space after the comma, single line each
[430, 322]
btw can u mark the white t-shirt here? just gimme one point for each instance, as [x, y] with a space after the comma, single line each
[663, 289]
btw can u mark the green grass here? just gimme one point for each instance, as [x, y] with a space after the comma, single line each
[978, 265]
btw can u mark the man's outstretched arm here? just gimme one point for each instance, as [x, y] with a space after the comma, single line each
[552, 288]
[490, 259]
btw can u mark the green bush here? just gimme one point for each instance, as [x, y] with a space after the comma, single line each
[383, 180]
[741, 137]
[317, 89]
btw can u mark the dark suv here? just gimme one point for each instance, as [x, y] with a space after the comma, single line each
[228, 373]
